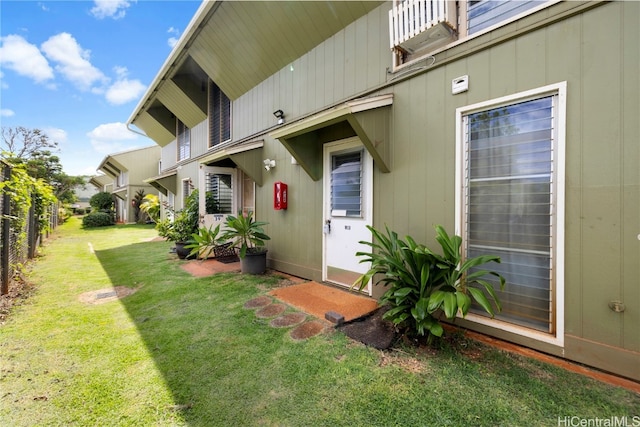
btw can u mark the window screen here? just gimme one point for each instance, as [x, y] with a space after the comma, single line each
[219, 116]
[482, 14]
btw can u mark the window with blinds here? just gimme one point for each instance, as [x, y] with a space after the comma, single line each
[187, 189]
[509, 204]
[346, 184]
[184, 141]
[482, 14]
[218, 193]
[219, 116]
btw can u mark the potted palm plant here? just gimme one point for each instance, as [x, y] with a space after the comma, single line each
[185, 223]
[248, 236]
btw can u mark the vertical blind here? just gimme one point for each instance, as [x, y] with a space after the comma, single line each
[219, 116]
[346, 183]
[509, 204]
[218, 193]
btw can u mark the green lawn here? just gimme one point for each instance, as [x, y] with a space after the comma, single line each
[184, 351]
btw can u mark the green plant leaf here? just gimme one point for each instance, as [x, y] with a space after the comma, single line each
[435, 300]
[464, 302]
[450, 305]
[481, 299]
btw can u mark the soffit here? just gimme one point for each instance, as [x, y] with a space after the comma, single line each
[176, 100]
[365, 118]
[238, 44]
[165, 182]
[246, 156]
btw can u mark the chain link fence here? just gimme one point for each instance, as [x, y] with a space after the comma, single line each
[12, 252]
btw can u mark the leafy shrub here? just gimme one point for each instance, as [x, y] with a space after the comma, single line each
[79, 211]
[423, 285]
[101, 201]
[97, 219]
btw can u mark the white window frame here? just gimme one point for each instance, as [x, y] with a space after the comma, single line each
[183, 140]
[558, 217]
[188, 185]
[210, 145]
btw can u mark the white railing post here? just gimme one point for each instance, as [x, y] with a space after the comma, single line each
[410, 18]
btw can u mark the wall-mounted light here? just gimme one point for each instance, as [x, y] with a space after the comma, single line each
[279, 115]
[269, 164]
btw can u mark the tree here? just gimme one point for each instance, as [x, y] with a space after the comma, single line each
[32, 148]
[102, 201]
[24, 143]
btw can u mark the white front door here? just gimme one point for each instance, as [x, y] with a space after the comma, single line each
[218, 195]
[348, 209]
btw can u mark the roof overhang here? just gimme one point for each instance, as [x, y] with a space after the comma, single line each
[110, 166]
[246, 156]
[120, 193]
[100, 181]
[237, 45]
[164, 183]
[366, 118]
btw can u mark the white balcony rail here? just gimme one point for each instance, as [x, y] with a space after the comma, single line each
[410, 18]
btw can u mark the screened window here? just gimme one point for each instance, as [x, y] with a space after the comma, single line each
[219, 116]
[509, 203]
[346, 184]
[482, 14]
[184, 141]
[187, 189]
[218, 193]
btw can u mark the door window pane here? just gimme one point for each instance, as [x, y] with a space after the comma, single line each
[346, 184]
[218, 193]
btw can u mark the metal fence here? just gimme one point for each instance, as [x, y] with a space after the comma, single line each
[12, 253]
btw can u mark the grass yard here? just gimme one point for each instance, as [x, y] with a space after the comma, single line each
[184, 351]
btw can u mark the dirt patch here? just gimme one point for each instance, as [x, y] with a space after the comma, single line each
[258, 302]
[19, 292]
[271, 310]
[371, 330]
[287, 320]
[105, 295]
[307, 330]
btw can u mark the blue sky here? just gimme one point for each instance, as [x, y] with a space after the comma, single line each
[77, 69]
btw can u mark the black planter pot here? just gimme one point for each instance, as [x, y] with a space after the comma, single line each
[182, 252]
[254, 262]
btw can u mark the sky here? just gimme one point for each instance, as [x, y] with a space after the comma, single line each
[77, 69]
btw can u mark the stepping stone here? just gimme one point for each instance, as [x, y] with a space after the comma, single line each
[258, 302]
[289, 319]
[271, 310]
[307, 330]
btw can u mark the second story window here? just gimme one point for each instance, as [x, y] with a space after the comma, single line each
[184, 141]
[418, 27]
[219, 116]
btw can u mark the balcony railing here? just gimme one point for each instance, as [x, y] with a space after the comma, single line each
[414, 24]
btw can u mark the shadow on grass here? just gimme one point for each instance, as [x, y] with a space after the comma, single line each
[202, 340]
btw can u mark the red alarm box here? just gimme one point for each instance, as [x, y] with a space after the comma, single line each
[279, 195]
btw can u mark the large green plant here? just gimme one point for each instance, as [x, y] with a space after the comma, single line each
[204, 242]
[423, 285]
[185, 222]
[245, 233]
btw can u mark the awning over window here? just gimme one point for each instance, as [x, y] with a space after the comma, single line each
[164, 182]
[366, 118]
[121, 193]
[246, 156]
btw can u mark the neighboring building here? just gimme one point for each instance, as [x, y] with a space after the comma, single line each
[84, 193]
[513, 123]
[125, 174]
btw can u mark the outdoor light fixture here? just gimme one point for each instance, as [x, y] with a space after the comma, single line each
[279, 115]
[269, 164]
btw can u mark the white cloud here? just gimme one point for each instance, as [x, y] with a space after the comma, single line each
[55, 134]
[5, 112]
[124, 90]
[43, 6]
[24, 58]
[72, 61]
[111, 138]
[115, 9]
[174, 39]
